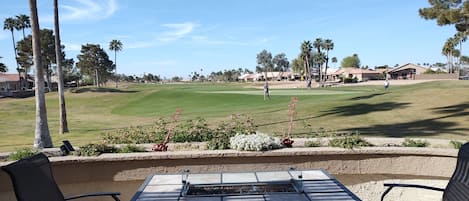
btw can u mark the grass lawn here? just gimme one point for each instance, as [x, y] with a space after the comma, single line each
[428, 110]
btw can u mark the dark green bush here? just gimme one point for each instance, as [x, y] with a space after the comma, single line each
[95, 150]
[195, 130]
[349, 141]
[130, 148]
[221, 137]
[313, 143]
[415, 143]
[240, 124]
[351, 80]
[456, 144]
[137, 135]
[22, 153]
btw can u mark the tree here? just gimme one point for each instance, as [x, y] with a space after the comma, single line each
[3, 67]
[281, 64]
[48, 53]
[448, 50]
[176, 79]
[334, 60]
[351, 61]
[319, 57]
[25, 53]
[264, 62]
[116, 46]
[306, 48]
[328, 46]
[460, 38]
[94, 62]
[42, 137]
[11, 24]
[23, 23]
[447, 12]
[58, 56]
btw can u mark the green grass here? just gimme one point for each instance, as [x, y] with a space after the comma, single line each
[427, 110]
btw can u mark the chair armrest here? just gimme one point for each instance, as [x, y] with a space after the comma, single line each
[114, 195]
[390, 186]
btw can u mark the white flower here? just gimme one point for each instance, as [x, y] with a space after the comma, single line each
[254, 142]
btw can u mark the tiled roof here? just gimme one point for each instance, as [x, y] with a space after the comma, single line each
[8, 77]
[406, 66]
[351, 70]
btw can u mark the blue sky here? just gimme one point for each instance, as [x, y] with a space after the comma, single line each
[176, 37]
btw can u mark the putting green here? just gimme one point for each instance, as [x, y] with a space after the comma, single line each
[285, 92]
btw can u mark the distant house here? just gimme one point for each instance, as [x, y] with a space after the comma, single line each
[360, 74]
[406, 71]
[10, 86]
[9, 82]
[270, 76]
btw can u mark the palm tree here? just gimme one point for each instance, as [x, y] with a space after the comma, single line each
[318, 44]
[460, 37]
[334, 60]
[58, 57]
[116, 46]
[328, 45]
[447, 50]
[3, 67]
[23, 23]
[42, 137]
[306, 54]
[12, 24]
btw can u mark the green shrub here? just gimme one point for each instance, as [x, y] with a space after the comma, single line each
[221, 135]
[254, 142]
[415, 143]
[351, 80]
[456, 144]
[349, 141]
[22, 153]
[95, 150]
[137, 135]
[130, 148]
[195, 130]
[313, 143]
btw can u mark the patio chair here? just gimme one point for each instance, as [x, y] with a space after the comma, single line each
[458, 185]
[33, 181]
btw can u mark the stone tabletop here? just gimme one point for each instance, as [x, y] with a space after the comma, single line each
[316, 184]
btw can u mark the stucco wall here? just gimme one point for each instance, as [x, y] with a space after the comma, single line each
[125, 172]
[453, 76]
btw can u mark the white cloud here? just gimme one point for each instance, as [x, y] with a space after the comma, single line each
[173, 33]
[178, 31]
[230, 40]
[83, 10]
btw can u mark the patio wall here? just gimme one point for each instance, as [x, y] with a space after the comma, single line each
[125, 172]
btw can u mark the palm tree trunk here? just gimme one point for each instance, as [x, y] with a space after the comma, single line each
[16, 59]
[97, 77]
[62, 109]
[115, 63]
[320, 73]
[42, 137]
[460, 55]
[325, 71]
[305, 66]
